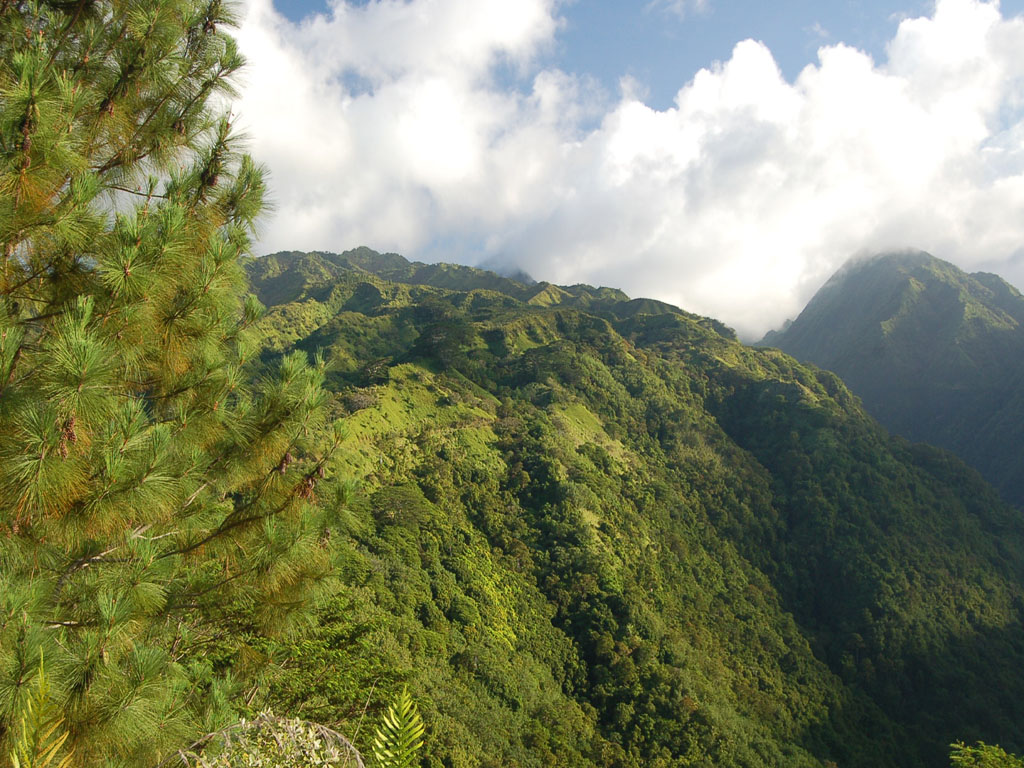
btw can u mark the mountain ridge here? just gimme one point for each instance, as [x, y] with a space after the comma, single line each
[598, 531]
[935, 353]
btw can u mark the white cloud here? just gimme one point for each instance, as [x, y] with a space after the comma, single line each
[681, 8]
[817, 30]
[391, 124]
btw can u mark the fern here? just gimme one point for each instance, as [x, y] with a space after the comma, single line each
[42, 737]
[399, 737]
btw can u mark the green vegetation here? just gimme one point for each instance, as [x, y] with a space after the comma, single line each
[593, 531]
[578, 529]
[982, 756]
[39, 742]
[399, 737]
[936, 355]
[157, 505]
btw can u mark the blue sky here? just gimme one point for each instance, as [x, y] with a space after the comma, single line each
[724, 156]
[609, 39]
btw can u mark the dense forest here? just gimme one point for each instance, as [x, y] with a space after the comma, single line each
[936, 355]
[590, 530]
[299, 502]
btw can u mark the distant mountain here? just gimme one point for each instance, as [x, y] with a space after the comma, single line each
[590, 531]
[290, 276]
[934, 353]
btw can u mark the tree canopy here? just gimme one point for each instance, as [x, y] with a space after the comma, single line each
[601, 532]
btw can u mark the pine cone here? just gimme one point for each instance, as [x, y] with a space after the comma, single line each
[307, 488]
[285, 462]
[67, 435]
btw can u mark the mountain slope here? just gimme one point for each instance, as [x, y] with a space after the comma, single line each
[592, 531]
[936, 355]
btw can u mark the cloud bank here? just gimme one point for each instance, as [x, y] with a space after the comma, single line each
[433, 128]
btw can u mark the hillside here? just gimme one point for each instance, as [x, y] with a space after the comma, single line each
[935, 354]
[594, 531]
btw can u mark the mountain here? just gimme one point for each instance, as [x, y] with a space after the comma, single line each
[934, 353]
[587, 530]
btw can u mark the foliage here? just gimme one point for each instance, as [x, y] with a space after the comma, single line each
[982, 756]
[601, 532]
[39, 741]
[937, 355]
[156, 503]
[399, 736]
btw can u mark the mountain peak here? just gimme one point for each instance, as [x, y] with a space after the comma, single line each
[936, 354]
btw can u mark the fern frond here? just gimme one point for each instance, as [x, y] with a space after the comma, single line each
[399, 737]
[42, 736]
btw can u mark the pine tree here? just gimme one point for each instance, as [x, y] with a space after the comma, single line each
[154, 502]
